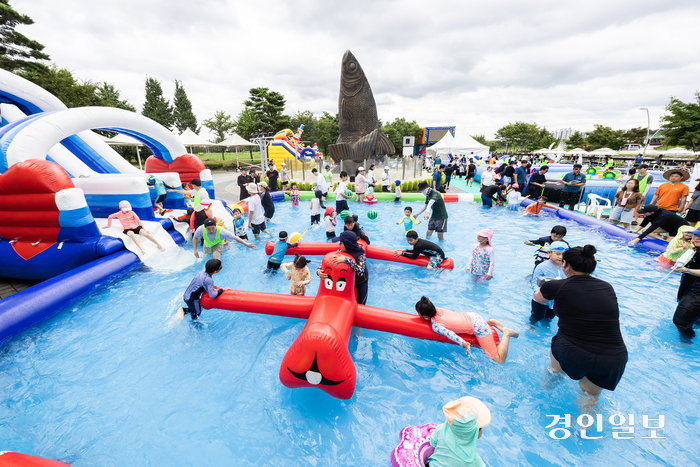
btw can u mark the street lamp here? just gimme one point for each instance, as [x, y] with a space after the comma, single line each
[646, 141]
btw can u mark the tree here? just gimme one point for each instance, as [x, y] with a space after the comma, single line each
[61, 83]
[399, 128]
[521, 135]
[606, 137]
[493, 145]
[221, 125]
[247, 124]
[682, 126]
[328, 131]
[306, 118]
[267, 107]
[108, 96]
[156, 107]
[183, 117]
[17, 52]
[636, 135]
[576, 140]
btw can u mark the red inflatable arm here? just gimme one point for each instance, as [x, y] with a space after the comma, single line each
[260, 302]
[373, 252]
[16, 459]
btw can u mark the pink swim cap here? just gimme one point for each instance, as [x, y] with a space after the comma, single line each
[124, 205]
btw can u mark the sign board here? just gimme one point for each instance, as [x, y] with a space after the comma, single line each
[409, 141]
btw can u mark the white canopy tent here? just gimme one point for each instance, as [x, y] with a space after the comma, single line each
[236, 141]
[604, 152]
[125, 140]
[462, 144]
[191, 139]
[676, 152]
[444, 142]
[577, 151]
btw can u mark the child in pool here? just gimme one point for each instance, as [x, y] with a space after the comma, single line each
[556, 235]
[513, 198]
[408, 220]
[330, 221]
[201, 283]
[535, 208]
[681, 243]
[294, 194]
[547, 270]
[448, 323]
[239, 227]
[299, 274]
[281, 247]
[132, 225]
[481, 259]
[455, 440]
[397, 191]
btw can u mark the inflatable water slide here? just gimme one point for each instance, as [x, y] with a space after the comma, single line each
[59, 181]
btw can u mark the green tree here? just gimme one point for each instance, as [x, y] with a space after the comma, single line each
[306, 118]
[267, 107]
[399, 128]
[521, 135]
[636, 135]
[493, 145]
[247, 124]
[156, 107]
[61, 83]
[183, 117]
[222, 126]
[17, 52]
[681, 126]
[108, 96]
[576, 140]
[328, 131]
[606, 137]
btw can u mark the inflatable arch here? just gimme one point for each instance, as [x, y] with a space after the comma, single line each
[34, 136]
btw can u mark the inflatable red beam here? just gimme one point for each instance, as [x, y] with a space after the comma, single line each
[372, 252]
[16, 459]
[319, 357]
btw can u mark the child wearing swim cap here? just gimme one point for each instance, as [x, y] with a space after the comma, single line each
[482, 258]
[455, 440]
[281, 246]
[546, 271]
[330, 222]
[132, 225]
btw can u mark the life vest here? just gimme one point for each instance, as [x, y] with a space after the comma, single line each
[461, 323]
[209, 243]
[197, 197]
[642, 182]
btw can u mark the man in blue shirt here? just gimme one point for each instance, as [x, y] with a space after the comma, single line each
[521, 176]
[437, 178]
[639, 160]
[573, 182]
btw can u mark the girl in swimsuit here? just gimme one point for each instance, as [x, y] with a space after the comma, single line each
[448, 323]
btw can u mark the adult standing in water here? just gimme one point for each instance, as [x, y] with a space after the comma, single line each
[688, 309]
[573, 182]
[588, 346]
[438, 218]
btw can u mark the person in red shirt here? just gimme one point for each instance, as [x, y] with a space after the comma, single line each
[671, 196]
[131, 224]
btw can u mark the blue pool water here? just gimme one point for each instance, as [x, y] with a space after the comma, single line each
[116, 380]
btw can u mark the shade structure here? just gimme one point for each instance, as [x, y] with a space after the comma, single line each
[235, 140]
[189, 138]
[604, 152]
[676, 152]
[444, 142]
[125, 140]
[461, 144]
[577, 151]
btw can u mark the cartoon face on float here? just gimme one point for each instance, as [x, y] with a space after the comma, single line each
[319, 357]
[341, 278]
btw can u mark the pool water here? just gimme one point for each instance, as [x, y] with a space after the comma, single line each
[116, 380]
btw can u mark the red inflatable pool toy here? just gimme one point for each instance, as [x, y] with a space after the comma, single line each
[319, 357]
[372, 252]
[369, 199]
[16, 459]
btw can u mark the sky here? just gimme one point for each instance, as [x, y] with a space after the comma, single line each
[476, 65]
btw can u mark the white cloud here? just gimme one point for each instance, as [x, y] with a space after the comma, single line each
[476, 65]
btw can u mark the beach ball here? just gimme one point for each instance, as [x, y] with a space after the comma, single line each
[294, 237]
[372, 214]
[344, 214]
[348, 193]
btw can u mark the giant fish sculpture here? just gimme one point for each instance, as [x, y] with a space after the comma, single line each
[360, 137]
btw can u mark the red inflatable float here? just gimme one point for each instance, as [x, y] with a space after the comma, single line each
[372, 252]
[319, 357]
[16, 459]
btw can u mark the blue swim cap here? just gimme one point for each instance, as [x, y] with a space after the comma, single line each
[397, 182]
[150, 179]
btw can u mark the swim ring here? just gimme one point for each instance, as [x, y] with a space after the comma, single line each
[414, 447]
[369, 199]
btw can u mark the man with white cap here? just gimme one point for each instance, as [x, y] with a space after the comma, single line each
[455, 440]
[386, 180]
[256, 214]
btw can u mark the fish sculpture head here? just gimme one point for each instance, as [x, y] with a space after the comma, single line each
[352, 77]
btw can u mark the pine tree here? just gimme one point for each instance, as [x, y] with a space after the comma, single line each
[17, 52]
[183, 116]
[267, 107]
[156, 107]
[108, 96]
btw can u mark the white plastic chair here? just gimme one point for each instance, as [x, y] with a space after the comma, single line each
[597, 205]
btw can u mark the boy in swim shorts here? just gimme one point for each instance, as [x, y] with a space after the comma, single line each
[556, 235]
[408, 220]
[422, 247]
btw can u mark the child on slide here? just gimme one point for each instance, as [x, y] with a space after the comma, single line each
[298, 273]
[201, 283]
[535, 208]
[481, 259]
[448, 323]
[132, 225]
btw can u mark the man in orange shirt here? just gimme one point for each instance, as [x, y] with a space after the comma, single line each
[669, 195]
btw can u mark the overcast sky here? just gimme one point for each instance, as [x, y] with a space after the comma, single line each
[475, 65]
